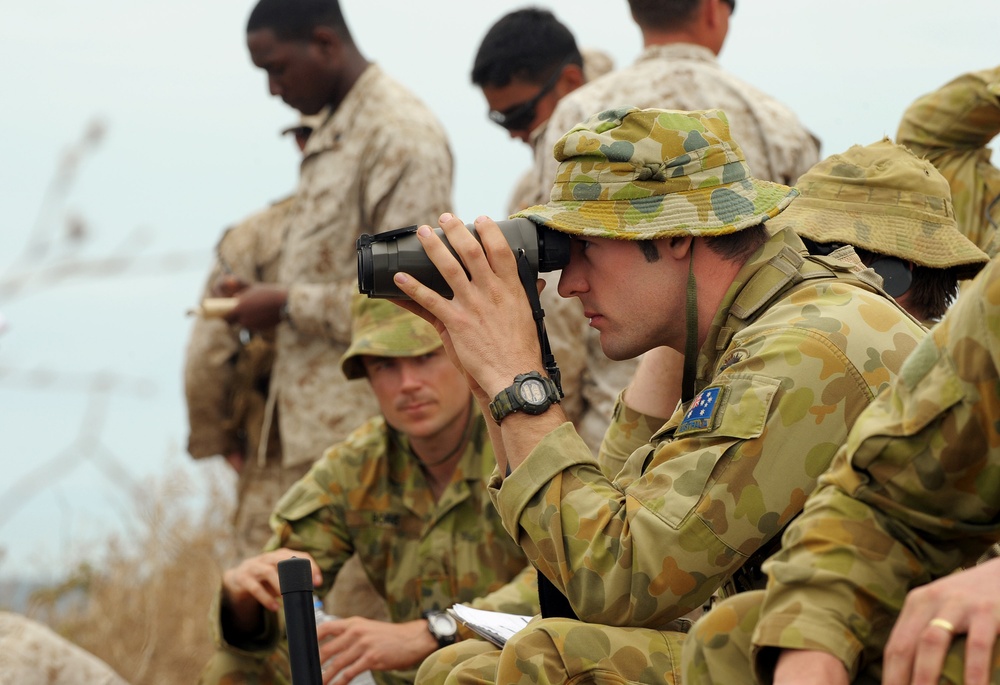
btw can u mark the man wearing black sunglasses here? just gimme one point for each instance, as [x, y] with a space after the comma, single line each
[526, 63]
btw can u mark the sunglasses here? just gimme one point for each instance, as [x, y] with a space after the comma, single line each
[519, 117]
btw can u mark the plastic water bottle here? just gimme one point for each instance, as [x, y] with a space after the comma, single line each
[320, 611]
[363, 678]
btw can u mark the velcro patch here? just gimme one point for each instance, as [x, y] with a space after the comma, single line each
[701, 416]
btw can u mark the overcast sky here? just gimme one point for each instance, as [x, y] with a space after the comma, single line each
[191, 144]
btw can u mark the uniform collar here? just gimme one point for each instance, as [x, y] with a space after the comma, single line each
[677, 51]
[340, 121]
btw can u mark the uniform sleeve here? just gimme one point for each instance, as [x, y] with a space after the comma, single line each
[209, 367]
[629, 430]
[311, 517]
[951, 127]
[913, 496]
[406, 180]
[688, 510]
[519, 596]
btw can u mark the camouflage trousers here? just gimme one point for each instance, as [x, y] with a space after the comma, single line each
[557, 650]
[718, 648]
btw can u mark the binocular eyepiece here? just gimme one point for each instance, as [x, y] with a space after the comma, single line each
[381, 256]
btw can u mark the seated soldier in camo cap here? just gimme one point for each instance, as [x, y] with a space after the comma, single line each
[405, 491]
[895, 209]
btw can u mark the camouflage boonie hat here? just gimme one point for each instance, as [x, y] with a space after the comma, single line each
[640, 174]
[382, 329]
[884, 199]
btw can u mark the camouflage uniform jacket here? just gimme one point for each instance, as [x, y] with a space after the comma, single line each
[798, 348]
[369, 495]
[952, 127]
[688, 77]
[219, 371]
[911, 497]
[380, 161]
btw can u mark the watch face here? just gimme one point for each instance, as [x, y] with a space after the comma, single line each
[441, 624]
[533, 391]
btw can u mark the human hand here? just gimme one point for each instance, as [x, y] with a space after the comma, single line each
[350, 646]
[487, 327]
[228, 285]
[258, 307]
[255, 581]
[967, 602]
[236, 459]
[809, 667]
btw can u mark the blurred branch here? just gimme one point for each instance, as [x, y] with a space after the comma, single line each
[101, 382]
[39, 266]
[87, 446]
[40, 239]
[20, 281]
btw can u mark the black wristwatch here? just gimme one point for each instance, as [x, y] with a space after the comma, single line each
[531, 393]
[442, 626]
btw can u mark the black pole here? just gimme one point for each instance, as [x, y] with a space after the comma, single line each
[295, 579]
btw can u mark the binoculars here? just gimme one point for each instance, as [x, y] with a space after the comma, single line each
[381, 256]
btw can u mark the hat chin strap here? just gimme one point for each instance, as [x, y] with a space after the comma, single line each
[691, 343]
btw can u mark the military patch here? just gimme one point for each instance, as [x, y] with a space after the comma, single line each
[735, 357]
[701, 416]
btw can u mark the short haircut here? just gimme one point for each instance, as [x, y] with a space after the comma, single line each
[294, 20]
[527, 44]
[663, 14]
[740, 245]
[931, 291]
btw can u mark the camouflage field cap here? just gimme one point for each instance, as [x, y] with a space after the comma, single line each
[380, 328]
[884, 199]
[639, 174]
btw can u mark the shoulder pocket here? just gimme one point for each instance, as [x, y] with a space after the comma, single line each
[682, 469]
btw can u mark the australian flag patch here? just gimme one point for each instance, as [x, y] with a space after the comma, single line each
[701, 416]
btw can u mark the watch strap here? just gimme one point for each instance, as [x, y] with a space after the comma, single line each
[508, 400]
[443, 639]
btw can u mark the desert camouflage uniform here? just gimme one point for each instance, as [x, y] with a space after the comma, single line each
[380, 161]
[798, 347]
[32, 653]
[910, 498]
[226, 380]
[688, 77]
[369, 495]
[952, 127]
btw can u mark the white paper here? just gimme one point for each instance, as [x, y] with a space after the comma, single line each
[495, 626]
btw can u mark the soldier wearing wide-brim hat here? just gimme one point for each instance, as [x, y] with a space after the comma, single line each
[896, 210]
[771, 351]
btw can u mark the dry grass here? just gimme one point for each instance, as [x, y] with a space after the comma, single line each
[144, 610]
